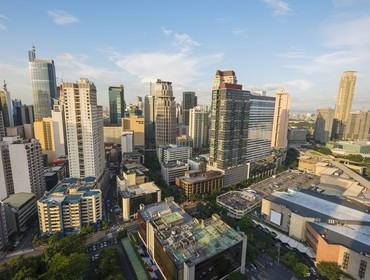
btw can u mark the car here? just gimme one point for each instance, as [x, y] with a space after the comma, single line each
[150, 269]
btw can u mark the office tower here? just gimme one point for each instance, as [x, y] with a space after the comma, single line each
[25, 164]
[17, 112]
[343, 105]
[323, 125]
[3, 228]
[179, 114]
[358, 127]
[170, 153]
[140, 103]
[189, 101]
[127, 142]
[6, 179]
[198, 126]
[164, 113]
[6, 106]
[59, 128]
[229, 126]
[149, 132]
[2, 126]
[227, 77]
[84, 129]
[260, 121]
[281, 120]
[117, 104]
[50, 133]
[69, 206]
[136, 124]
[43, 84]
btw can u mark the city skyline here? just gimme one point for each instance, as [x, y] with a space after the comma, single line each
[307, 65]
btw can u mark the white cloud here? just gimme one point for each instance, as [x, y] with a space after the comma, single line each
[181, 40]
[300, 85]
[279, 7]
[3, 19]
[62, 18]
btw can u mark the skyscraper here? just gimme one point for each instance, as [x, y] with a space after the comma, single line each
[23, 166]
[117, 104]
[84, 129]
[343, 105]
[2, 126]
[281, 120]
[198, 126]
[149, 131]
[189, 100]
[229, 126]
[43, 84]
[3, 228]
[6, 106]
[260, 122]
[164, 113]
[227, 76]
[6, 179]
[324, 125]
[358, 127]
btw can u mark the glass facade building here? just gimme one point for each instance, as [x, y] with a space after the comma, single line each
[117, 104]
[189, 101]
[43, 85]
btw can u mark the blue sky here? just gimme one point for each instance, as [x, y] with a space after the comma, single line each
[303, 46]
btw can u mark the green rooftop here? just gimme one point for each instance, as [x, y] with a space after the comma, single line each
[19, 199]
[171, 218]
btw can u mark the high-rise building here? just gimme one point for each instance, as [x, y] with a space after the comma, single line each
[23, 166]
[6, 179]
[227, 77]
[69, 206]
[179, 114]
[260, 122]
[117, 104]
[45, 134]
[358, 127]
[149, 132]
[199, 126]
[189, 101]
[164, 113]
[3, 228]
[84, 129]
[44, 86]
[281, 120]
[229, 126]
[59, 128]
[2, 126]
[136, 124]
[17, 112]
[127, 142]
[6, 106]
[343, 105]
[324, 125]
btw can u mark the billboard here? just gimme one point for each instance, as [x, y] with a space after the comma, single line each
[275, 217]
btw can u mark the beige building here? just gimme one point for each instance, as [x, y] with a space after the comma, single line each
[112, 134]
[324, 125]
[227, 76]
[70, 205]
[136, 124]
[199, 126]
[358, 127]
[44, 132]
[343, 105]
[281, 120]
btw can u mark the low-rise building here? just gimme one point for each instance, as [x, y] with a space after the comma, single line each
[187, 248]
[233, 175]
[297, 137]
[238, 203]
[20, 209]
[112, 134]
[351, 148]
[184, 140]
[173, 169]
[70, 205]
[196, 182]
[173, 152]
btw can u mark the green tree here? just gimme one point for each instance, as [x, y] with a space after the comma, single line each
[245, 223]
[329, 270]
[71, 267]
[237, 276]
[301, 269]
[87, 230]
[108, 265]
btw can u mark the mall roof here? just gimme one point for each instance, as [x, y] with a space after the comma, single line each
[313, 204]
[357, 238]
[19, 199]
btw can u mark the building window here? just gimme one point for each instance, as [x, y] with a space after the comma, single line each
[362, 269]
[345, 260]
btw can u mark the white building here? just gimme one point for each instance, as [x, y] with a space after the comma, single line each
[172, 170]
[84, 129]
[170, 153]
[23, 166]
[57, 115]
[199, 126]
[127, 142]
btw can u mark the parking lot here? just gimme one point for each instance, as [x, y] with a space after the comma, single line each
[93, 250]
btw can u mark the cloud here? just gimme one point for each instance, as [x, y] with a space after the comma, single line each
[300, 85]
[62, 18]
[239, 32]
[3, 19]
[179, 65]
[279, 7]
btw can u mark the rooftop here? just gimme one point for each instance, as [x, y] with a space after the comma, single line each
[238, 200]
[186, 239]
[354, 237]
[19, 199]
[313, 204]
[139, 190]
[199, 177]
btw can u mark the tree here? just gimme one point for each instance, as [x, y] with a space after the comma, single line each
[237, 276]
[87, 230]
[69, 267]
[329, 270]
[301, 269]
[108, 265]
[245, 223]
